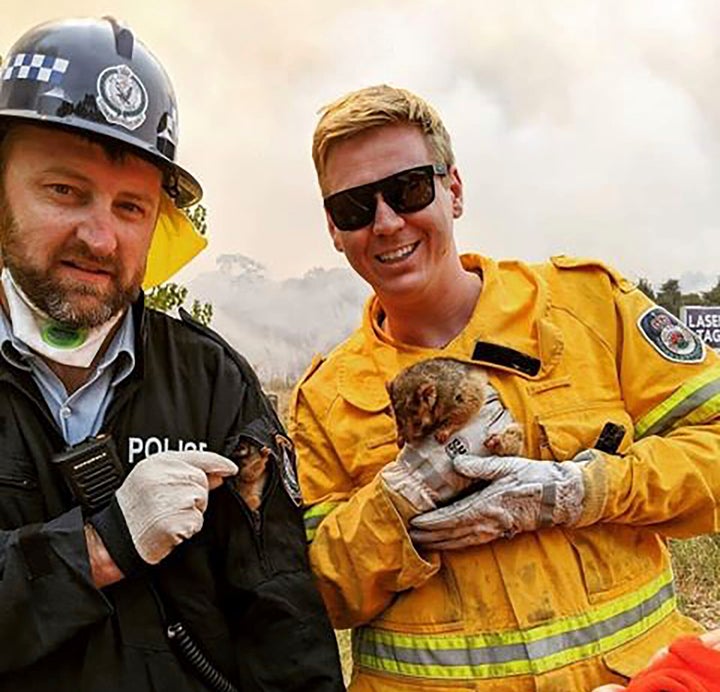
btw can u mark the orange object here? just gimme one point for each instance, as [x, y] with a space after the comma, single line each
[689, 666]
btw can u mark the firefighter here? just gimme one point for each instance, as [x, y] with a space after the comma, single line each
[542, 571]
[124, 566]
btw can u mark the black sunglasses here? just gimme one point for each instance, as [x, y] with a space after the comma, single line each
[404, 192]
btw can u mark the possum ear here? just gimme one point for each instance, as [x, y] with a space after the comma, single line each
[427, 394]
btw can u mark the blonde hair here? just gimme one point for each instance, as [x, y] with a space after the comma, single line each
[376, 106]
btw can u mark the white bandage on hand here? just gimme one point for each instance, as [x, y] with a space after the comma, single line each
[163, 498]
[522, 495]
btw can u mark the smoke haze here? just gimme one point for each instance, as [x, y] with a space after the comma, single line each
[583, 127]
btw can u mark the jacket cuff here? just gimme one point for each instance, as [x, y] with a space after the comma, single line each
[112, 529]
[402, 506]
[596, 483]
[373, 507]
[398, 512]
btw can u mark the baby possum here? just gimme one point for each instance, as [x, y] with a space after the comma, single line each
[439, 396]
[250, 479]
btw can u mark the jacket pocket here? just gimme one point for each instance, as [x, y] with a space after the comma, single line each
[631, 658]
[567, 433]
[437, 601]
[611, 557]
[371, 445]
[21, 501]
[614, 557]
[17, 481]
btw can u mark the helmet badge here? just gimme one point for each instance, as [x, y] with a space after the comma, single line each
[122, 97]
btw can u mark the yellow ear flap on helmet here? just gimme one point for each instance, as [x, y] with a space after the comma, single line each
[175, 242]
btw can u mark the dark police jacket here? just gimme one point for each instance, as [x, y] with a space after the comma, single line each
[241, 586]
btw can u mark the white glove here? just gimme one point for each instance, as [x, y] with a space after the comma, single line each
[523, 495]
[163, 498]
[423, 473]
[425, 478]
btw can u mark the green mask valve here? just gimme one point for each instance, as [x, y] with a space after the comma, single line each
[60, 336]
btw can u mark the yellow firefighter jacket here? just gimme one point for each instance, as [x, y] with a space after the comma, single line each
[582, 359]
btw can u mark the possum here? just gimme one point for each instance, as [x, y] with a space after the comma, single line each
[250, 479]
[438, 397]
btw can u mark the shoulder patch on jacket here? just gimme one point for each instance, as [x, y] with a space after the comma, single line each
[670, 337]
[565, 262]
[288, 468]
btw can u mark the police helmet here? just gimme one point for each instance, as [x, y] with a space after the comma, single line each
[93, 75]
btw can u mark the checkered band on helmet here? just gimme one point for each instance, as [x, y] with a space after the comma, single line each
[94, 75]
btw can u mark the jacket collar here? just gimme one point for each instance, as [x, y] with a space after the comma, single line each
[511, 327]
[510, 330]
[139, 314]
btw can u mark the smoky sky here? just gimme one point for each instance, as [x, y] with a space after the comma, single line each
[580, 127]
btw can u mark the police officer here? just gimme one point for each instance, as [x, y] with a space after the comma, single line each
[155, 574]
[542, 571]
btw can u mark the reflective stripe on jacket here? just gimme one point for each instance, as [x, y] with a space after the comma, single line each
[534, 650]
[554, 609]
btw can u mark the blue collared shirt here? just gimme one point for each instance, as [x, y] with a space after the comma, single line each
[80, 414]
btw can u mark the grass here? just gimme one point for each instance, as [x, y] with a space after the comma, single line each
[345, 647]
[697, 572]
[279, 393]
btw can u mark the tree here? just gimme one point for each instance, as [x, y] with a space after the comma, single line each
[712, 297]
[692, 299]
[171, 295]
[646, 287]
[669, 296]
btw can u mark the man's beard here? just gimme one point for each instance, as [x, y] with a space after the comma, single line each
[65, 300]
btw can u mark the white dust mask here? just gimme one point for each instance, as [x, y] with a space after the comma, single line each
[48, 337]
